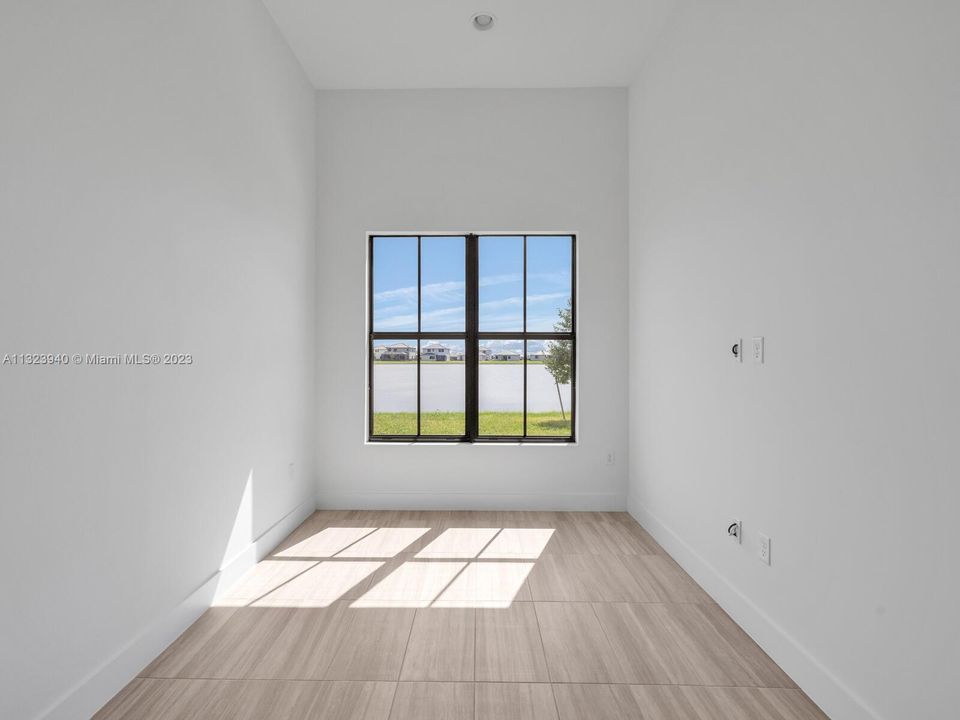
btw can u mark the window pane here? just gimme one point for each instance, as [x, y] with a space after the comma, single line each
[548, 388]
[442, 387]
[395, 387]
[501, 387]
[395, 284]
[549, 286]
[501, 284]
[443, 298]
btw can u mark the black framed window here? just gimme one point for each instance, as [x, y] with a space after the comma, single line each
[472, 338]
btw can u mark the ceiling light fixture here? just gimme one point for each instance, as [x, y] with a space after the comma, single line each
[483, 20]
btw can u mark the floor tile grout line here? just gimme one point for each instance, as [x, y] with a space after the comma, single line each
[407, 645]
[342, 599]
[393, 698]
[445, 558]
[476, 682]
[451, 555]
[602, 629]
[543, 646]
[553, 694]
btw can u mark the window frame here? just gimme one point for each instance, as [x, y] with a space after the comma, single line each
[471, 337]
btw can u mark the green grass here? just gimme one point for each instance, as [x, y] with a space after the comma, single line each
[395, 423]
[456, 362]
[549, 424]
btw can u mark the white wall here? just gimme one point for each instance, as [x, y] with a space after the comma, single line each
[795, 173]
[157, 194]
[484, 160]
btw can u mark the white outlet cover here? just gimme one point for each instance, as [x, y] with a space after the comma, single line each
[758, 350]
[763, 549]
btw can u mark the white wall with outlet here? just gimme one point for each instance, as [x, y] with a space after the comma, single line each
[795, 169]
[157, 195]
[494, 160]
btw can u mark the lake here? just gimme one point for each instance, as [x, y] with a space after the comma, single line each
[442, 385]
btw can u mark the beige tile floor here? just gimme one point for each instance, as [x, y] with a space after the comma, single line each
[464, 615]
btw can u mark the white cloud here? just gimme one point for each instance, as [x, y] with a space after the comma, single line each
[488, 280]
[401, 311]
[435, 320]
[454, 288]
[546, 297]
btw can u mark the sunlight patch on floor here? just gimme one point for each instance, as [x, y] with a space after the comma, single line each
[462, 567]
[459, 543]
[485, 585]
[384, 543]
[518, 543]
[320, 586]
[262, 578]
[412, 585]
[326, 543]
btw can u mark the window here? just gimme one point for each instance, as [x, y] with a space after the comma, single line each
[472, 338]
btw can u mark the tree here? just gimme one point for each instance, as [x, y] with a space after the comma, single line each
[559, 351]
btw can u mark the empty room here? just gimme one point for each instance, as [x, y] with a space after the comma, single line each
[455, 360]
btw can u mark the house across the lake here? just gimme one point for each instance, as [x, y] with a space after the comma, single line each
[537, 355]
[395, 351]
[435, 352]
[507, 355]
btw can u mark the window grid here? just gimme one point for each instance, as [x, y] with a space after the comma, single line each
[472, 337]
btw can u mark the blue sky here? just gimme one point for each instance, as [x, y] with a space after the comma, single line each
[443, 292]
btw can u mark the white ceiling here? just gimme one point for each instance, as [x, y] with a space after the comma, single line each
[431, 43]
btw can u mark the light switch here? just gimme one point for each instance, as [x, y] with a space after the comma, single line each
[758, 350]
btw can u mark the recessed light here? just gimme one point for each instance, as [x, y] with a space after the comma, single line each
[483, 20]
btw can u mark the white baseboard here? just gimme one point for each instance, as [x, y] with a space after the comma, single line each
[91, 693]
[822, 686]
[595, 502]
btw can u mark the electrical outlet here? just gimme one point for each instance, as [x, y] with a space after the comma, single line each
[758, 350]
[764, 549]
[735, 531]
[611, 457]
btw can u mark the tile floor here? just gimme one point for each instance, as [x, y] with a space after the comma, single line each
[464, 616]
